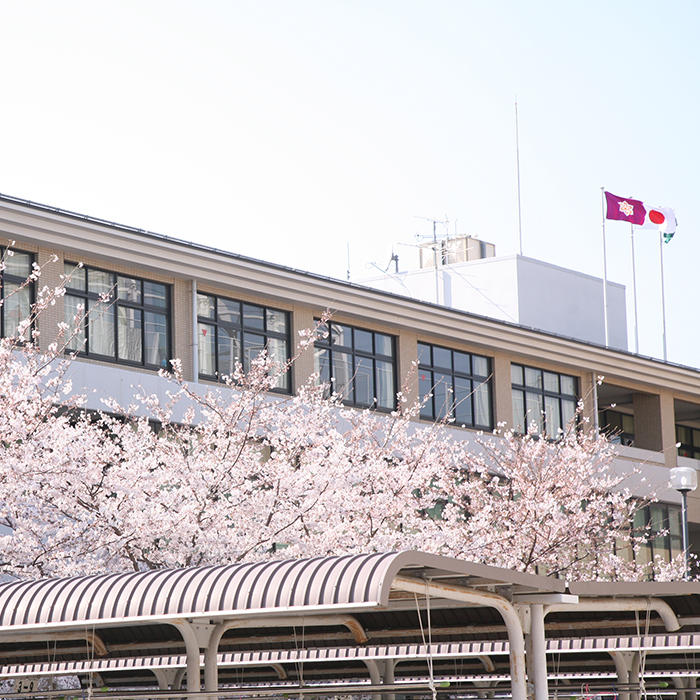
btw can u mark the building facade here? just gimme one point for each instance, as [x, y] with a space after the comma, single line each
[210, 308]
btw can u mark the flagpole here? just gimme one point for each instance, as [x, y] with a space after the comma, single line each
[663, 293]
[605, 270]
[634, 290]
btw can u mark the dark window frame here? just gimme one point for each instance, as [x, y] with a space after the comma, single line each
[113, 304]
[666, 545]
[524, 389]
[16, 279]
[242, 329]
[616, 432]
[688, 449]
[432, 368]
[329, 346]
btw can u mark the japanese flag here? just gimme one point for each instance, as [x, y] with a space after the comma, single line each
[661, 218]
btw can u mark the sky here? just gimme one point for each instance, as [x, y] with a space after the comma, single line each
[292, 131]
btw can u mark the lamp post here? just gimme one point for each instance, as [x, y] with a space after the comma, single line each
[683, 480]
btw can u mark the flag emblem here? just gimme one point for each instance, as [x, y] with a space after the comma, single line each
[626, 208]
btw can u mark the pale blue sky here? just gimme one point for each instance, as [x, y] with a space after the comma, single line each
[283, 130]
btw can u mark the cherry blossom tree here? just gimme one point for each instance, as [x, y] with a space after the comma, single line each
[249, 475]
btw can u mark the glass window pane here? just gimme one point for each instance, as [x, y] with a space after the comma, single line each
[442, 392]
[533, 410]
[463, 401]
[568, 385]
[156, 335]
[383, 345]
[628, 423]
[18, 264]
[277, 349]
[482, 404]
[342, 375]
[129, 334]
[425, 387]
[696, 438]
[480, 366]
[341, 335]
[129, 289]
[322, 334]
[322, 365]
[363, 340]
[253, 344]
[516, 375]
[442, 357]
[155, 294]
[207, 357]
[683, 434]
[533, 377]
[386, 393]
[276, 321]
[229, 312]
[461, 362]
[518, 411]
[364, 381]
[551, 382]
[100, 328]
[100, 282]
[205, 306]
[228, 346]
[423, 354]
[74, 316]
[16, 307]
[76, 275]
[568, 411]
[552, 417]
[253, 316]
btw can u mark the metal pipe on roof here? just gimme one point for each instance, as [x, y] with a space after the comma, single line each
[504, 607]
[661, 607]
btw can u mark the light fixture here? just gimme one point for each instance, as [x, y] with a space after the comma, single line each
[683, 480]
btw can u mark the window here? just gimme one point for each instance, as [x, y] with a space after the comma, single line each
[234, 331]
[619, 427]
[660, 522]
[128, 318]
[357, 364]
[459, 383]
[547, 399]
[17, 300]
[689, 439]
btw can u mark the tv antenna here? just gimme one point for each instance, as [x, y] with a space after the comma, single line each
[443, 222]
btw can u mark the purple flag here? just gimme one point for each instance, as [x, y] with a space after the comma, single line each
[624, 209]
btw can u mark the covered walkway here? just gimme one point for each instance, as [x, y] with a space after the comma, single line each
[403, 623]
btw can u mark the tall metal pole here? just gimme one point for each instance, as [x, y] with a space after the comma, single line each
[634, 290]
[605, 271]
[663, 292]
[684, 532]
[517, 164]
[435, 259]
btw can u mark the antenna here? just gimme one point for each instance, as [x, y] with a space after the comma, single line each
[517, 166]
[435, 222]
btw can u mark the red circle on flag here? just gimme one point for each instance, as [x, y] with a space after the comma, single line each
[656, 217]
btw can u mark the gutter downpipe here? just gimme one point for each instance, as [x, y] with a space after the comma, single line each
[504, 607]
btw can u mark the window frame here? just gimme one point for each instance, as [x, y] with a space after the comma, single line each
[616, 434]
[544, 393]
[242, 329]
[113, 304]
[453, 373]
[328, 345]
[688, 446]
[16, 279]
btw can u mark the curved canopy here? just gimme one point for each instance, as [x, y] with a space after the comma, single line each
[329, 583]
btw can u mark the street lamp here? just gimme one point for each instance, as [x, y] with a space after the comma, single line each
[684, 479]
